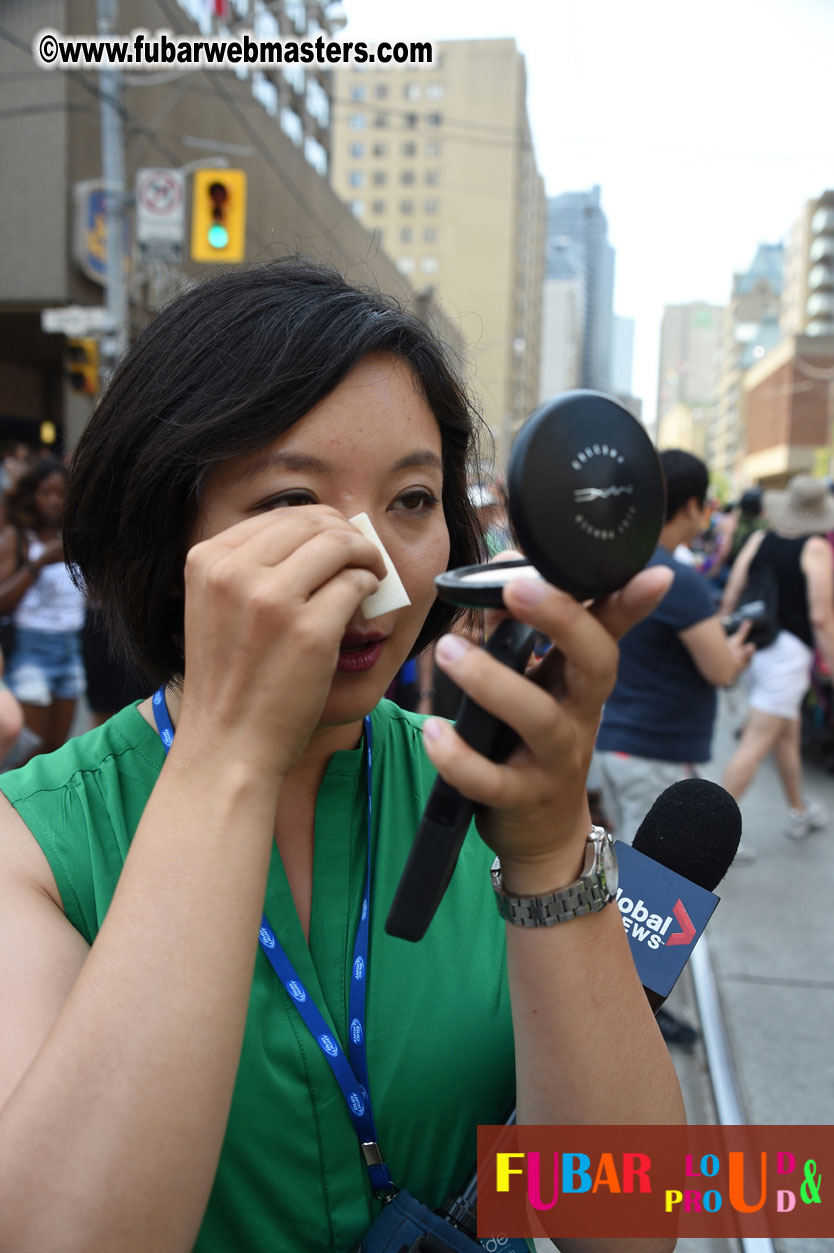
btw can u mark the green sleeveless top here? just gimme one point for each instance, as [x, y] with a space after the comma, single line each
[439, 1035]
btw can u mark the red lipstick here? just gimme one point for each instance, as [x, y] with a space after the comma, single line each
[359, 652]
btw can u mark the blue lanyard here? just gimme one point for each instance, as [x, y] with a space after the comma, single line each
[351, 1072]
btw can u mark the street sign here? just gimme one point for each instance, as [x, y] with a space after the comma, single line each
[76, 321]
[160, 213]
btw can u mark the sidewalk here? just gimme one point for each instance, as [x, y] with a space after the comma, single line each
[771, 942]
[772, 946]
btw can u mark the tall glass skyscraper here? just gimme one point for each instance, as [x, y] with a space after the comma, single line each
[577, 215]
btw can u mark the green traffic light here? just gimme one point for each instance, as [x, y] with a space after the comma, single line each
[218, 236]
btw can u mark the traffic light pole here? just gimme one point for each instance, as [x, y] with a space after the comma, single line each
[114, 343]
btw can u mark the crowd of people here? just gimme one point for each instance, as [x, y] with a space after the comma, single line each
[212, 1042]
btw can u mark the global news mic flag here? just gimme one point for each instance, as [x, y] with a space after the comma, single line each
[663, 914]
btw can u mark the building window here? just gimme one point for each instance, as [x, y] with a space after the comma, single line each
[381, 91]
[291, 125]
[405, 265]
[380, 120]
[429, 265]
[408, 149]
[357, 207]
[434, 119]
[380, 150]
[407, 177]
[432, 178]
[356, 178]
[435, 91]
[378, 206]
[406, 206]
[410, 121]
[380, 178]
[357, 150]
[266, 93]
[430, 235]
[406, 235]
[357, 91]
[296, 11]
[432, 206]
[318, 104]
[411, 91]
[357, 121]
[432, 148]
[316, 154]
[295, 76]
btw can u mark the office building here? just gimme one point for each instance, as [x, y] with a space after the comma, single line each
[690, 357]
[578, 216]
[563, 319]
[750, 329]
[437, 160]
[273, 123]
[622, 355]
[808, 298]
[787, 406]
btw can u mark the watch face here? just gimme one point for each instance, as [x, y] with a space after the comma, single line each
[608, 864]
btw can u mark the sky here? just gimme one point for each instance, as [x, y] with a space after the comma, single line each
[706, 124]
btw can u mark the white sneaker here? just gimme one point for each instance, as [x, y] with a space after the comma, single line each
[744, 855]
[802, 822]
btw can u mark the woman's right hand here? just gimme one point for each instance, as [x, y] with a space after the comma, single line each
[267, 602]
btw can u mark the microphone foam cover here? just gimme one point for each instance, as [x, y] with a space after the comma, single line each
[693, 828]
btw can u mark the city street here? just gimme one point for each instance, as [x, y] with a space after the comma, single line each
[771, 943]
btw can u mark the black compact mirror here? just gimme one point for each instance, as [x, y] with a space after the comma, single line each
[587, 502]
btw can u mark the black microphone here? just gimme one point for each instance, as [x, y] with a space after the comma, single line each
[681, 852]
[693, 828]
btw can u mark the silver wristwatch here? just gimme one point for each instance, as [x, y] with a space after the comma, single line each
[591, 892]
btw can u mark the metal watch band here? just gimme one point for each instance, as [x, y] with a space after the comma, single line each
[589, 894]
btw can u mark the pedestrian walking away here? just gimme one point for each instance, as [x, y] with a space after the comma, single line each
[800, 558]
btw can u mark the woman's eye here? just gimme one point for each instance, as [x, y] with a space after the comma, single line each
[416, 502]
[289, 499]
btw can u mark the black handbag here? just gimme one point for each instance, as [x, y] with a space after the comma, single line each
[759, 601]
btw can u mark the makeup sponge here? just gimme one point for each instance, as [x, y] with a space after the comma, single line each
[390, 594]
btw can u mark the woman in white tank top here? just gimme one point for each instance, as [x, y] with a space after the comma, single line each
[45, 670]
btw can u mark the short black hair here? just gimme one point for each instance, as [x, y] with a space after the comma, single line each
[224, 370]
[686, 476]
[751, 502]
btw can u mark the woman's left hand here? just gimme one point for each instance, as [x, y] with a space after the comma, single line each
[532, 809]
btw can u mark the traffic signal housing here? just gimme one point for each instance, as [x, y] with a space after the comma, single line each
[82, 365]
[218, 217]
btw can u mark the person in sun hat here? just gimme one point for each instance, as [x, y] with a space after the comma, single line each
[796, 549]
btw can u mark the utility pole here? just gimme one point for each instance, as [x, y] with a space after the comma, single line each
[114, 343]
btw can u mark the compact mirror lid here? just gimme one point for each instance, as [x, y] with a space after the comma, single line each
[586, 493]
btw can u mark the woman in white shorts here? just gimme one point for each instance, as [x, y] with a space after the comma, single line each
[796, 549]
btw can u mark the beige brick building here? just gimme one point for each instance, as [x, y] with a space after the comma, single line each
[808, 298]
[438, 161]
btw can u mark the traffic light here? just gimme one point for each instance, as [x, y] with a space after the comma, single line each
[82, 365]
[218, 218]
